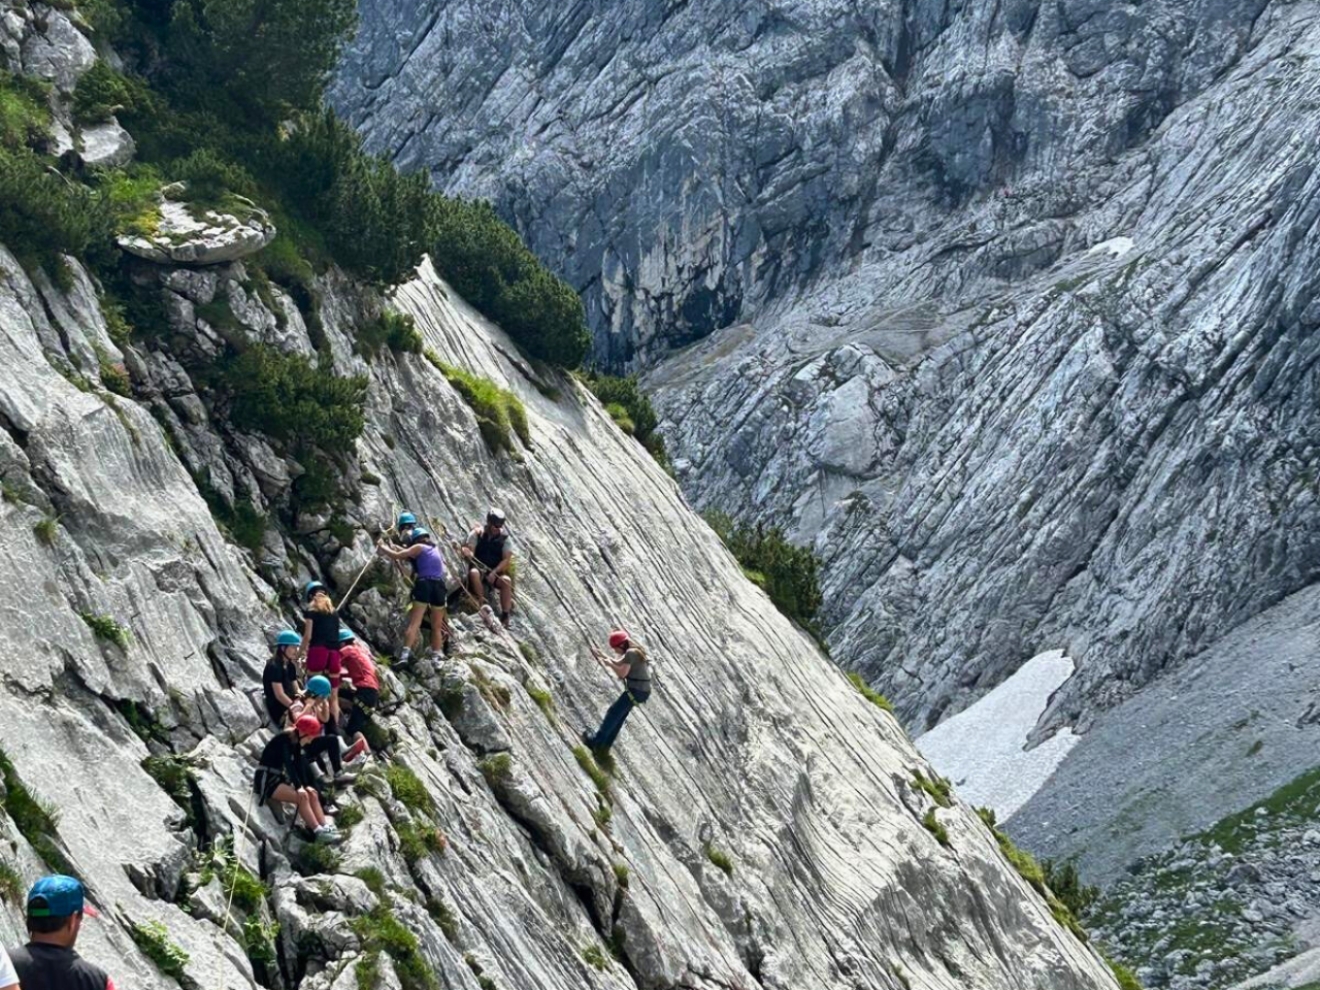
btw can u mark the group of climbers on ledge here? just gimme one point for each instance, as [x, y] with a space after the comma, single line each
[321, 686]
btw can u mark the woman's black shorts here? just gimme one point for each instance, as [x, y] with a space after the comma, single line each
[266, 781]
[430, 591]
[364, 701]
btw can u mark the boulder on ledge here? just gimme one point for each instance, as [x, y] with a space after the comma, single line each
[188, 233]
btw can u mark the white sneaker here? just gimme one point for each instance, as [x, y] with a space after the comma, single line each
[326, 835]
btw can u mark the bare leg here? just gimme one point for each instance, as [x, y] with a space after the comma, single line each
[414, 626]
[314, 806]
[438, 629]
[287, 795]
[478, 589]
[506, 592]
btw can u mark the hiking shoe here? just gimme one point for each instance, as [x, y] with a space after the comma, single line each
[326, 836]
[504, 619]
[344, 779]
[589, 739]
[405, 657]
[449, 647]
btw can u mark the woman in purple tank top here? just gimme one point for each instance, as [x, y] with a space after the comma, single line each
[428, 593]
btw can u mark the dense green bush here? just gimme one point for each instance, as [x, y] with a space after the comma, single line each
[381, 931]
[789, 574]
[1063, 879]
[104, 627]
[486, 262]
[631, 408]
[1127, 980]
[393, 330]
[153, 938]
[374, 220]
[35, 819]
[102, 92]
[24, 112]
[1030, 871]
[270, 59]
[212, 178]
[287, 397]
[42, 215]
[408, 789]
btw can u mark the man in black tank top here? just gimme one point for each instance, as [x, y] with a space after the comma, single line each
[55, 910]
[489, 555]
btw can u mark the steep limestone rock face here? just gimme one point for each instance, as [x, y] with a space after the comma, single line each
[1117, 456]
[1022, 296]
[688, 165]
[754, 745]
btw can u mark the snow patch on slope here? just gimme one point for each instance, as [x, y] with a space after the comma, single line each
[983, 749]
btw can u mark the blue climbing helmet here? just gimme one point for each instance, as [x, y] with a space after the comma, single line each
[311, 589]
[345, 634]
[419, 534]
[288, 637]
[407, 519]
[319, 686]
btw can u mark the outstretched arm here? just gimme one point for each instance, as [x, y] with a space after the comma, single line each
[400, 553]
[620, 668]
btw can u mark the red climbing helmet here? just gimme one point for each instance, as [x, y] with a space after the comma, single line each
[308, 726]
[619, 639]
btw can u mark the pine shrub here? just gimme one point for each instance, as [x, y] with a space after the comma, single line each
[791, 574]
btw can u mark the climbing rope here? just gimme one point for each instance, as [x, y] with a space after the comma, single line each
[233, 885]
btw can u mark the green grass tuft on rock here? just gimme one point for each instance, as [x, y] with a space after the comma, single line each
[106, 628]
[499, 412]
[869, 693]
[720, 860]
[153, 938]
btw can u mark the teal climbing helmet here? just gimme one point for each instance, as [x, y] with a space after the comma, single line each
[419, 534]
[319, 686]
[312, 588]
[288, 637]
[407, 519]
[345, 634]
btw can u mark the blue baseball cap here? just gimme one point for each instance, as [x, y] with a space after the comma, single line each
[58, 896]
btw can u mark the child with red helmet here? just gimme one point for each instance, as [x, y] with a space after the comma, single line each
[634, 669]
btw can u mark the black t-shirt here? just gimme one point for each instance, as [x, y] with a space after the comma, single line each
[283, 754]
[278, 672]
[41, 966]
[490, 549]
[325, 629]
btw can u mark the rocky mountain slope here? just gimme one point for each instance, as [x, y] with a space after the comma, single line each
[754, 746]
[1013, 305]
[762, 825]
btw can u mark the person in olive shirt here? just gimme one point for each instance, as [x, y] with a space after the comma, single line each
[634, 670]
[56, 906]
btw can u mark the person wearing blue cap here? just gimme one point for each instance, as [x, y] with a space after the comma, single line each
[429, 592]
[279, 681]
[56, 906]
[407, 522]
